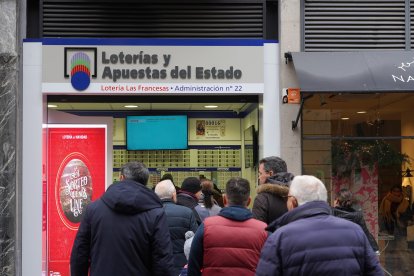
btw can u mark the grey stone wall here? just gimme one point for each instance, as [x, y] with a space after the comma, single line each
[8, 137]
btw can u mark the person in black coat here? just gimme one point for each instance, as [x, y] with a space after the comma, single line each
[190, 194]
[343, 209]
[180, 219]
[125, 232]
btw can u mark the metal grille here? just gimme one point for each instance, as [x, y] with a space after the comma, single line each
[354, 25]
[412, 23]
[150, 19]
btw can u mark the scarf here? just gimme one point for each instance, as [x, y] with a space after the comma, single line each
[385, 207]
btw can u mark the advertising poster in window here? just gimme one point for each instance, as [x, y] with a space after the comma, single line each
[76, 170]
[211, 129]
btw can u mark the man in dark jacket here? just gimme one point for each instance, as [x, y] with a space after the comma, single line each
[274, 181]
[310, 241]
[125, 232]
[270, 166]
[189, 195]
[229, 243]
[180, 220]
[270, 202]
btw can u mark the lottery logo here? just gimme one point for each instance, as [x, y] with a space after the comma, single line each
[80, 66]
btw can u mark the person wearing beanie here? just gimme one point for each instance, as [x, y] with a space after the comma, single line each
[180, 220]
[189, 235]
[190, 194]
[270, 202]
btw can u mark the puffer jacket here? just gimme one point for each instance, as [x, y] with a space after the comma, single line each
[180, 220]
[125, 232]
[309, 241]
[227, 244]
[270, 202]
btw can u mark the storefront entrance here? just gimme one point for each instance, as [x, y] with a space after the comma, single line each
[364, 142]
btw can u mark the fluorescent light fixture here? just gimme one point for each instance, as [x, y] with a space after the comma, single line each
[361, 112]
[130, 106]
[211, 106]
[52, 105]
[344, 118]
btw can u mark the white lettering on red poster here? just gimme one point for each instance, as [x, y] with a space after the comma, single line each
[75, 189]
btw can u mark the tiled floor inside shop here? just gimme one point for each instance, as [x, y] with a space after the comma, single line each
[397, 255]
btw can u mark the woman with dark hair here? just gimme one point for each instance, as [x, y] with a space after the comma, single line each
[343, 209]
[207, 205]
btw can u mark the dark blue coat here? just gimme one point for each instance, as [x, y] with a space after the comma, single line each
[125, 232]
[358, 218]
[310, 241]
[180, 220]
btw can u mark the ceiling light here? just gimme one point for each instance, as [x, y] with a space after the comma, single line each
[344, 118]
[361, 112]
[130, 106]
[211, 106]
[52, 105]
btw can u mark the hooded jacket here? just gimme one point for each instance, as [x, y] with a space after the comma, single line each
[227, 244]
[125, 232]
[309, 241]
[270, 202]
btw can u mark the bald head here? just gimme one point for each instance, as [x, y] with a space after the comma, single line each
[165, 190]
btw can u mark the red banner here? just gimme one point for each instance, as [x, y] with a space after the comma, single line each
[76, 171]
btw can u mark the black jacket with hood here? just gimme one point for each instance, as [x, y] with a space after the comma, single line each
[125, 232]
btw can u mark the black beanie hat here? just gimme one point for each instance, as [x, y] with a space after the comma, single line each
[191, 184]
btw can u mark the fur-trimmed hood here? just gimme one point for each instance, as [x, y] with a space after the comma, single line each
[275, 189]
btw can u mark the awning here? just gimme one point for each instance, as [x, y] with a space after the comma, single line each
[374, 71]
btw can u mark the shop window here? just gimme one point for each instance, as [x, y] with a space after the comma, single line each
[364, 142]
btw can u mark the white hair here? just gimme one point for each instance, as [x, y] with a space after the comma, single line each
[165, 189]
[307, 188]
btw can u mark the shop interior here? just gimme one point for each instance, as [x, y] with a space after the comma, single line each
[364, 142]
[219, 133]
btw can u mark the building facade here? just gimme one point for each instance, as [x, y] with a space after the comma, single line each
[312, 39]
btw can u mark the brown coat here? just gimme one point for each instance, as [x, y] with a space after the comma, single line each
[270, 202]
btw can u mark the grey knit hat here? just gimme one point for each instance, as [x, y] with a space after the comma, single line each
[189, 235]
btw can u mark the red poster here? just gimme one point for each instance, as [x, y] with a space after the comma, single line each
[76, 172]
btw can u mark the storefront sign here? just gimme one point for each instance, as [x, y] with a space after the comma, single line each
[372, 71]
[134, 66]
[76, 170]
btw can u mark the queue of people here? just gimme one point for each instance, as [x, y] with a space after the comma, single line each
[133, 230]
